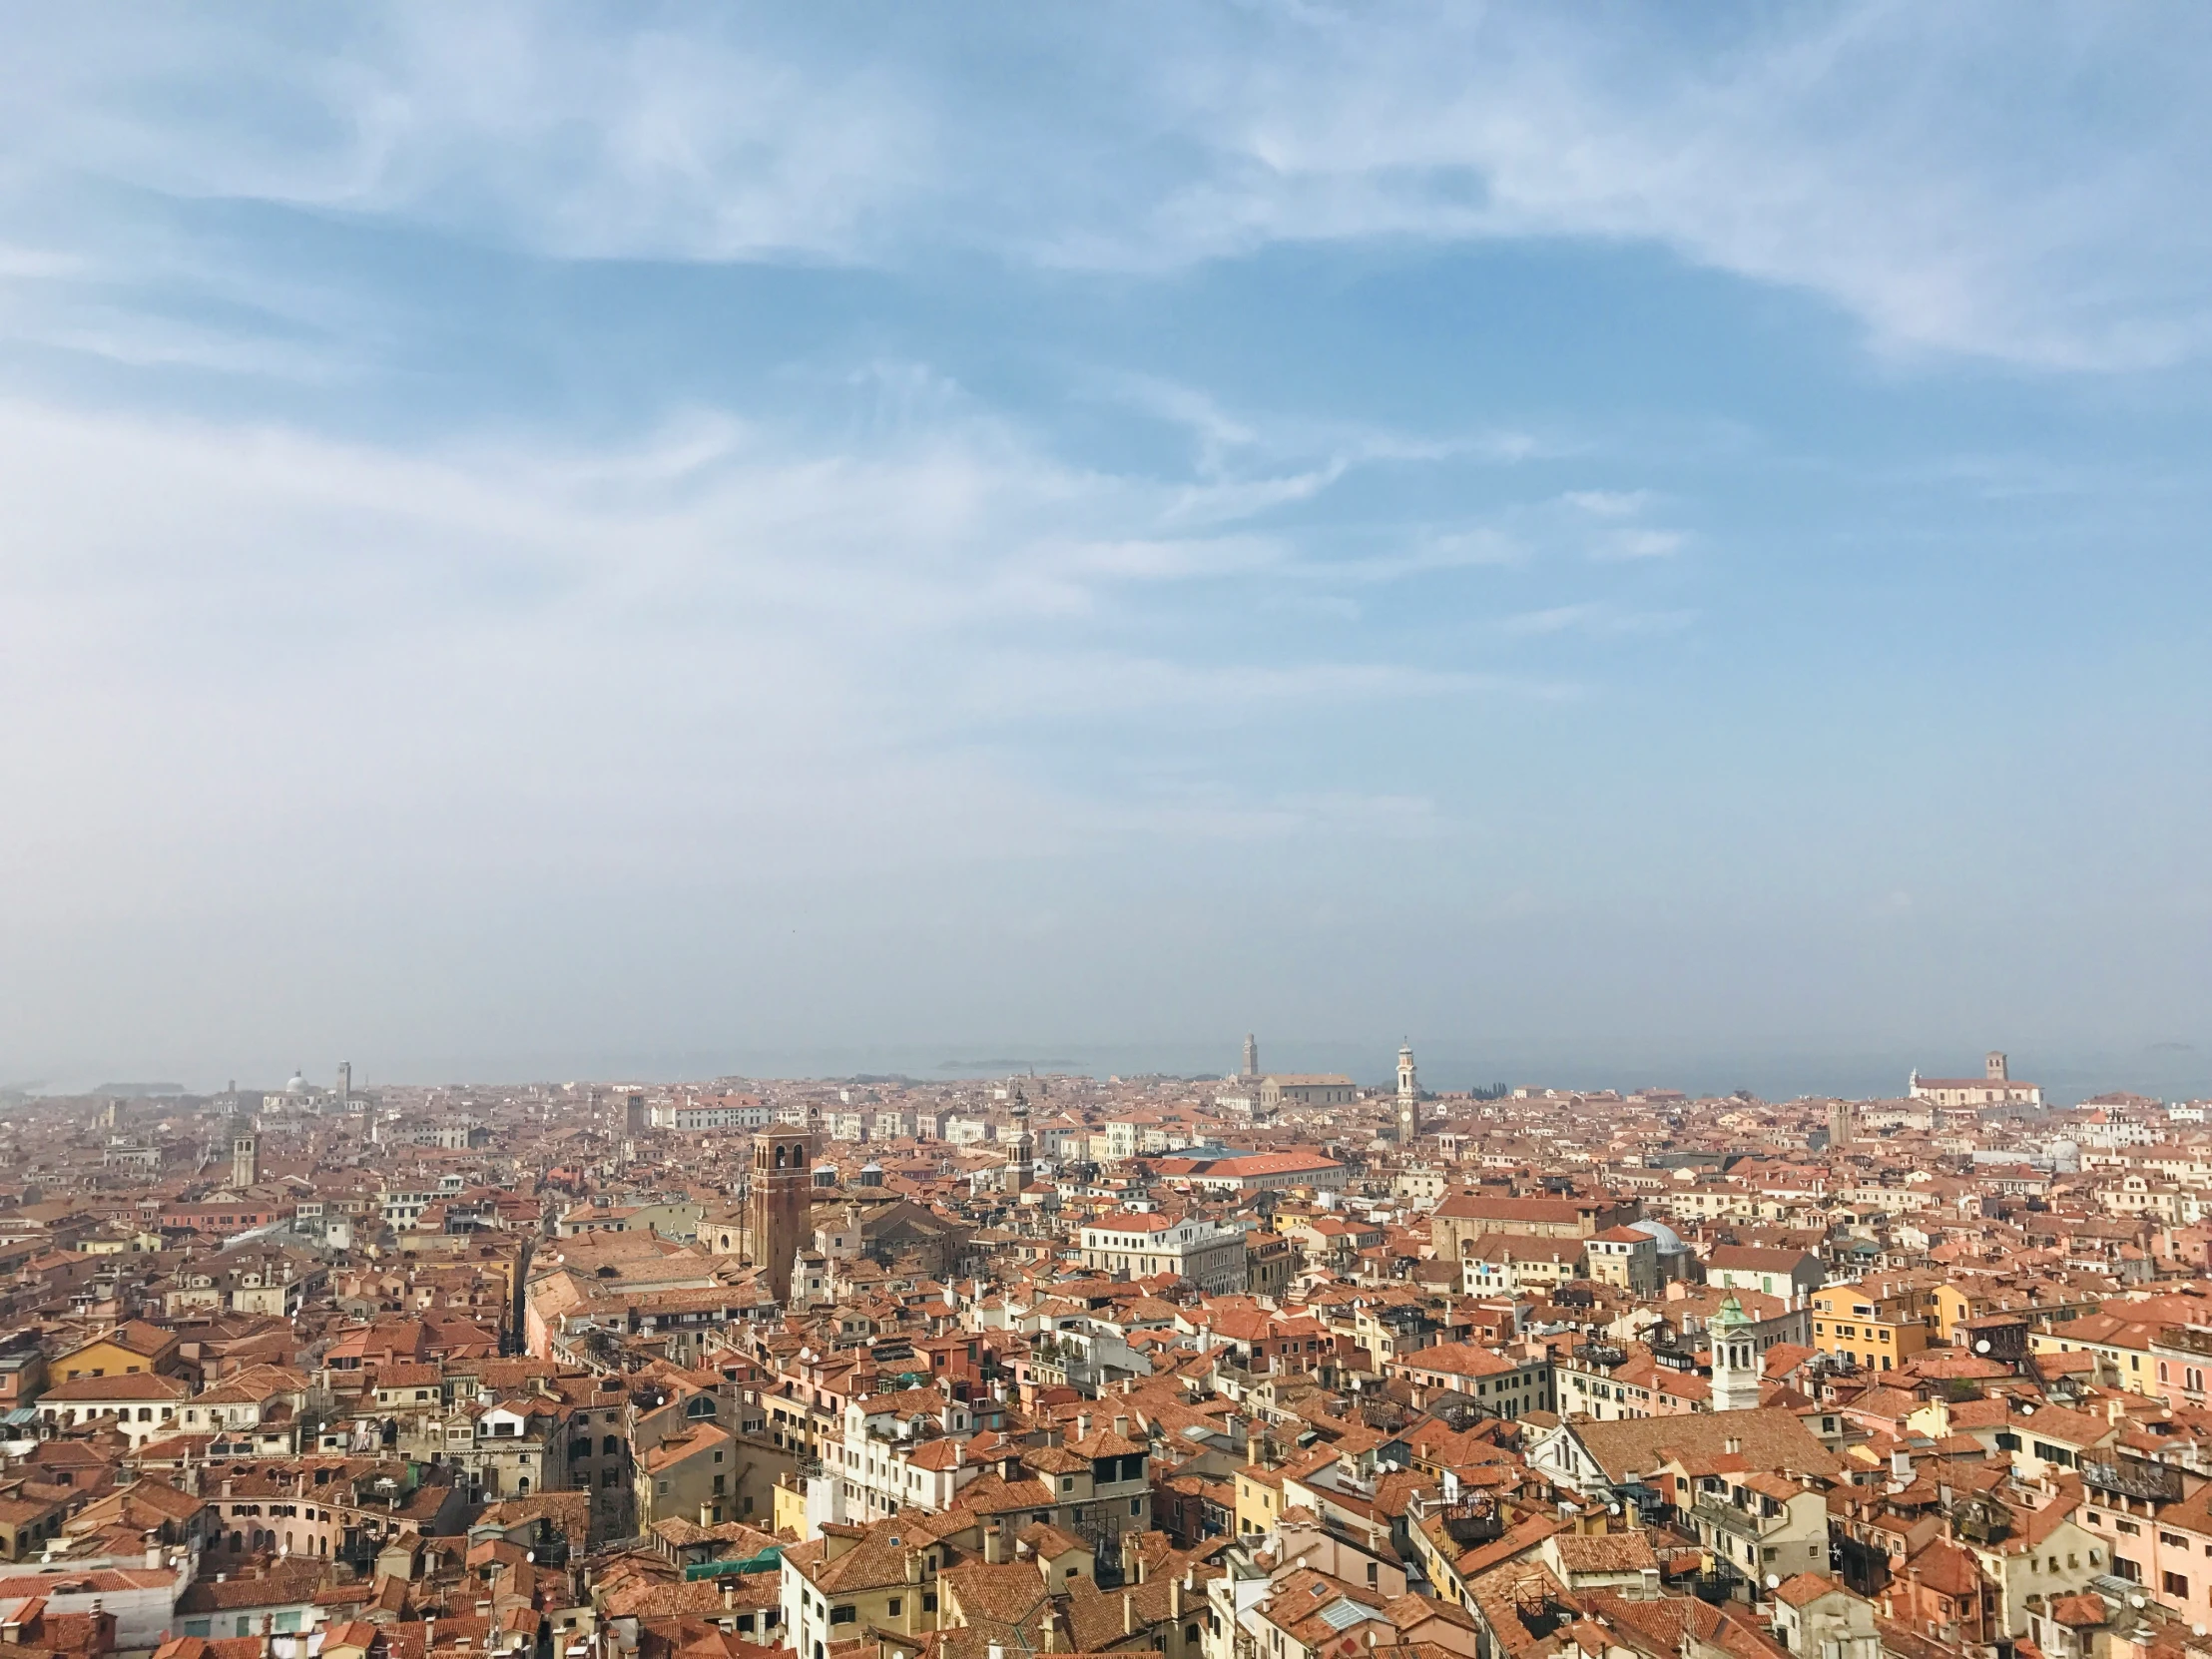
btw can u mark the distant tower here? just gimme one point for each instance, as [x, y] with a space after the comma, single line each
[1408, 1098]
[1736, 1362]
[1021, 1167]
[777, 1206]
[1993, 1067]
[1252, 1056]
[245, 1161]
[345, 1084]
[1842, 1131]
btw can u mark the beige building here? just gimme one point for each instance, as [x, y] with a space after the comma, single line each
[1138, 1244]
[1994, 1087]
[1314, 1090]
[1625, 1258]
[1465, 1217]
[1817, 1618]
[1761, 1523]
[706, 1458]
[143, 1407]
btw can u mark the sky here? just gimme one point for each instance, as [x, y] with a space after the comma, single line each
[559, 540]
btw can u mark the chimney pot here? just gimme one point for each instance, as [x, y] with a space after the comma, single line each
[1128, 1614]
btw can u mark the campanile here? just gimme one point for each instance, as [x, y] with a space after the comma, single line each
[776, 1208]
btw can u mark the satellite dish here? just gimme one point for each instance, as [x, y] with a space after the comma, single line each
[1612, 1509]
[2028, 1410]
[1982, 1346]
[2138, 1600]
[1773, 1579]
[2196, 1629]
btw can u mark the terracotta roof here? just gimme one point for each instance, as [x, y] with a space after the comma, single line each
[1806, 1587]
[1770, 1438]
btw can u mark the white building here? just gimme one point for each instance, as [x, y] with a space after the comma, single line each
[904, 1451]
[692, 1115]
[1140, 1246]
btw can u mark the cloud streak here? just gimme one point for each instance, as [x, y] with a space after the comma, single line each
[1972, 179]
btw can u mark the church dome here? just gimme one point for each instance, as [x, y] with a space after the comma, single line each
[297, 1085]
[1668, 1240]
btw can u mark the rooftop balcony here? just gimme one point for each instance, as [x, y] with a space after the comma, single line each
[2132, 1477]
[1728, 1519]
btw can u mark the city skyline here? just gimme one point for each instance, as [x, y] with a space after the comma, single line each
[2178, 1075]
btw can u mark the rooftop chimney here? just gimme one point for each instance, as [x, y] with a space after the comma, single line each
[1121, 1428]
[1128, 1613]
[994, 1544]
[1082, 1425]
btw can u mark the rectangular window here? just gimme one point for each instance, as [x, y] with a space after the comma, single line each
[2175, 1585]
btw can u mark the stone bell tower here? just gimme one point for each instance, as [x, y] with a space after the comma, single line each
[777, 1204]
[1408, 1098]
[1736, 1361]
[1021, 1166]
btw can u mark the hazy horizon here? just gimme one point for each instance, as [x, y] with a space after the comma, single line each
[1642, 539]
[2174, 1072]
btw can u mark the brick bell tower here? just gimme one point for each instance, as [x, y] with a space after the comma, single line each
[776, 1206]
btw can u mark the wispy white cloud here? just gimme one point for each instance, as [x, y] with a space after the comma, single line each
[1945, 177]
[1639, 544]
[1967, 179]
[1609, 503]
[727, 610]
[1601, 620]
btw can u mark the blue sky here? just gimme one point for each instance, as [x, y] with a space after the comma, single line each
[534, 538]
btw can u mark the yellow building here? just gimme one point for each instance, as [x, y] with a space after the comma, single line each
[1878, 1332]
[2119, 1348]
[127, 1350]
[790, 1505]
[1259, 1500]
[1955, 1304]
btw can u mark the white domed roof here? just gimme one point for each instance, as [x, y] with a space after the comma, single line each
[1669, 1241]
[297, 1085]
